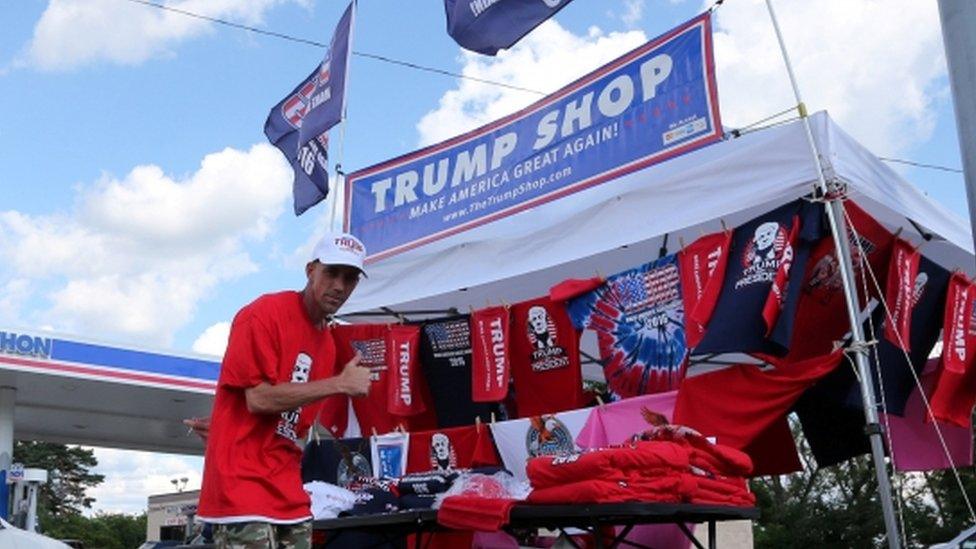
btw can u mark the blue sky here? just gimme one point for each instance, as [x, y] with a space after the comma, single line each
[141, 205]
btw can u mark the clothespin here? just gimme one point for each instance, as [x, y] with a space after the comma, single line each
[401, 428]
[599, 275]
[477, 423]
[898, 232]
[315, 435]
[599, 400]
[725, 229]
[505, 304]
[681, 243]
[375, 434]
[470, 308]
[493, 417]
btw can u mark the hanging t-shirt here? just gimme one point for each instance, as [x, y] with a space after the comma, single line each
[616, 422]
[545, 358]
[449, 449]
[490, 369]
[702, 266]
[836, 433]
[445, 352]
[639, 319]
[336, 461]
[915, 444]
[370, 341]
[737, 404]
[899, 293]
[955, 392]
[389, 453]
[518, 440]
[757, 306]
[253, 464]
[403, 364]
[926, 323]
[821, 315]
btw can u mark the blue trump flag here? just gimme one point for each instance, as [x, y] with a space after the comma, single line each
[297, 125]
[486, 26]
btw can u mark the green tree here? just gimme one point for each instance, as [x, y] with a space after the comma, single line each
[69, 477]
[838, 506]
[103, 531]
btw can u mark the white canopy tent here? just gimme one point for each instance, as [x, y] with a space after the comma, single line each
[624, 222]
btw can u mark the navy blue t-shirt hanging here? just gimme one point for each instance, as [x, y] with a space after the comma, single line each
[445, 355]
[898, 382]
[756, 308]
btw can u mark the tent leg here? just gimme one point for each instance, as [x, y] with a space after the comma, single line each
[838, 228]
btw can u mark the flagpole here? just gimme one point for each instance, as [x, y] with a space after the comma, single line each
[858, 346]
[340, 185]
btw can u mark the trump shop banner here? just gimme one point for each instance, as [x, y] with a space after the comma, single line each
[654, 103]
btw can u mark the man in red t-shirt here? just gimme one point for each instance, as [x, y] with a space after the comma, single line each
[278, 368]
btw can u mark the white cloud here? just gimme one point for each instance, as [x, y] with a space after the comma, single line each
[213, 340]
[71, 33]
[14, 294]
[874, 64]
[541, 61]
[131, 477]
[633, 12]
[877, 66]
[136, 255]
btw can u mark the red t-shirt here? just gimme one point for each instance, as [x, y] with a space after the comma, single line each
[955, 391]
[545, 358]
[370, 340]
[252, 469]
[702, 267]
[453, 448]
[821, 316]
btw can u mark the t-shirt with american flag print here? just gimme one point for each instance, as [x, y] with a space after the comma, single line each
[639, 318]
[445, 355]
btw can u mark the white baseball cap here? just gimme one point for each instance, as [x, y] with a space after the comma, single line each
[340, 249]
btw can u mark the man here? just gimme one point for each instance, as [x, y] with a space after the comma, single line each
[278, 368]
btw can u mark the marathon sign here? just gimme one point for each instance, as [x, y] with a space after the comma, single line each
[25, 345]
[655, 102]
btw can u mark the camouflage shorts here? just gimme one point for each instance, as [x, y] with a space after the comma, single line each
[262, 535]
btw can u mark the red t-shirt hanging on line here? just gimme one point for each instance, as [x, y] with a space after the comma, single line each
[545, 358]
[370, 341]
[252, 470]
[452, 448]
[702, 268]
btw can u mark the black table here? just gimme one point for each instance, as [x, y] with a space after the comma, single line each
[588, 517]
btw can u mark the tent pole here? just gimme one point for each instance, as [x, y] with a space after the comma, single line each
[838, 228]
[958, 19]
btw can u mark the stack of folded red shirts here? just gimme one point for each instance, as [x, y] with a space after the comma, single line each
[667, 465]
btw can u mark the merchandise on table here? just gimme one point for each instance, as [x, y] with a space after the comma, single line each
[337, 461]
[519, 440]
[450, 449]
[389, 453]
